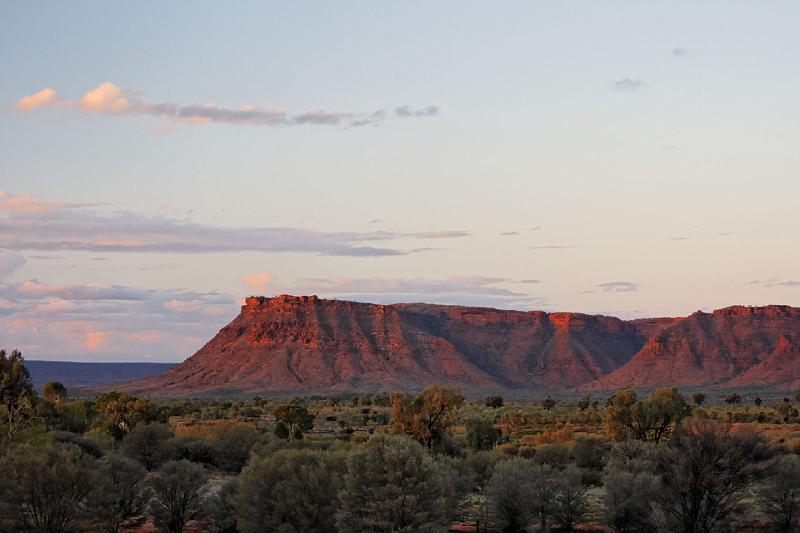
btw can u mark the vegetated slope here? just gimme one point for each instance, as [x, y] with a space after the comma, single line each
[307, 344]
[734, 346]
[77, 374]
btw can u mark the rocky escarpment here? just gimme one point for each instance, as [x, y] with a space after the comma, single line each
[304, 343]
[307, 344]
[735, 346]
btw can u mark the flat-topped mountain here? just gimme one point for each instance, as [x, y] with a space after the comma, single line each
[307, 344]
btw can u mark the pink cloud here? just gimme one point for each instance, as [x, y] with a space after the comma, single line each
[105, 98]
[258, 282]
[25, 204]
[46, 98]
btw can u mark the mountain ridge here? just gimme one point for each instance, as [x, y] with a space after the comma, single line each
[308, 344]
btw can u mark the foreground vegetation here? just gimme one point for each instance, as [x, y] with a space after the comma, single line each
[660, 462]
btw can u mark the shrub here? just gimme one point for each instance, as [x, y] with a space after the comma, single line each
[510, 494]
[291, 491]
[194, 449]
[494, 401]
[88, 446]
[393, 485]
[555, 455]
[119, 500]
[178, 494]
[45, 488]
[589, 452]
[481, 434]
[233, 446]
[149, 444]
[628, 499]
[780, 495]
[570, 501]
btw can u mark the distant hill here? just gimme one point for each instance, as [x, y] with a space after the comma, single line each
[75, 375]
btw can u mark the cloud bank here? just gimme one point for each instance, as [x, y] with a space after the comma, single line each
[466, 290]
[27, 223]
[110, 99]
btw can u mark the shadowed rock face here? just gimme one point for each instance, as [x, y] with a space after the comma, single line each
[307, 344]
[735, 346]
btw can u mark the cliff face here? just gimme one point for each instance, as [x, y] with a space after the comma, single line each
[733, 346]
[307, 344]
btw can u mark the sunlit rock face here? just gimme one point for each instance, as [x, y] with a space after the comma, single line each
[735, 346]
[303, 343]
[308, 344]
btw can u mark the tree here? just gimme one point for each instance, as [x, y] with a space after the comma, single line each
[706, 471]
[583, 403]
[797, 396]
[651, 420]
[221, 513]
[45, 488]
[428, 417]
[481, 434]
[122, 412]
[758, 401]
[393, 486]
[780, 495]
[119, 500]
[291, 491]
[178, 494]
[510, 494]
[233, 446]
[292, 421]
[545, 488]
[494, 401]
[548, 403]
[570, 501]
[149, 444]
[589, 452]
[54, 392]
[698, 398]
[628, 500]
[733, 399]
[16, 395]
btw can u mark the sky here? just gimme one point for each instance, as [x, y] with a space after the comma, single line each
[161, 161]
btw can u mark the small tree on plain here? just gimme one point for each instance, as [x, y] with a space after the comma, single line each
[54, 392]
[570, 501]
[393, 485]
[510, 494]
[179, 489]
[627, 500]
[494, 401]
[292, 491]
[292, 421]
[119, 500]
[780, 495]
[46, 488]
[149, 444]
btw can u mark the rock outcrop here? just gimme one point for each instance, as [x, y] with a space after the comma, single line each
[304, 344]
[732, 346]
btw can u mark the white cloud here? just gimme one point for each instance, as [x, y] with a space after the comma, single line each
[108, 98]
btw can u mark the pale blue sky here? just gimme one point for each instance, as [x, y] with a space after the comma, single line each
[642, 155]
